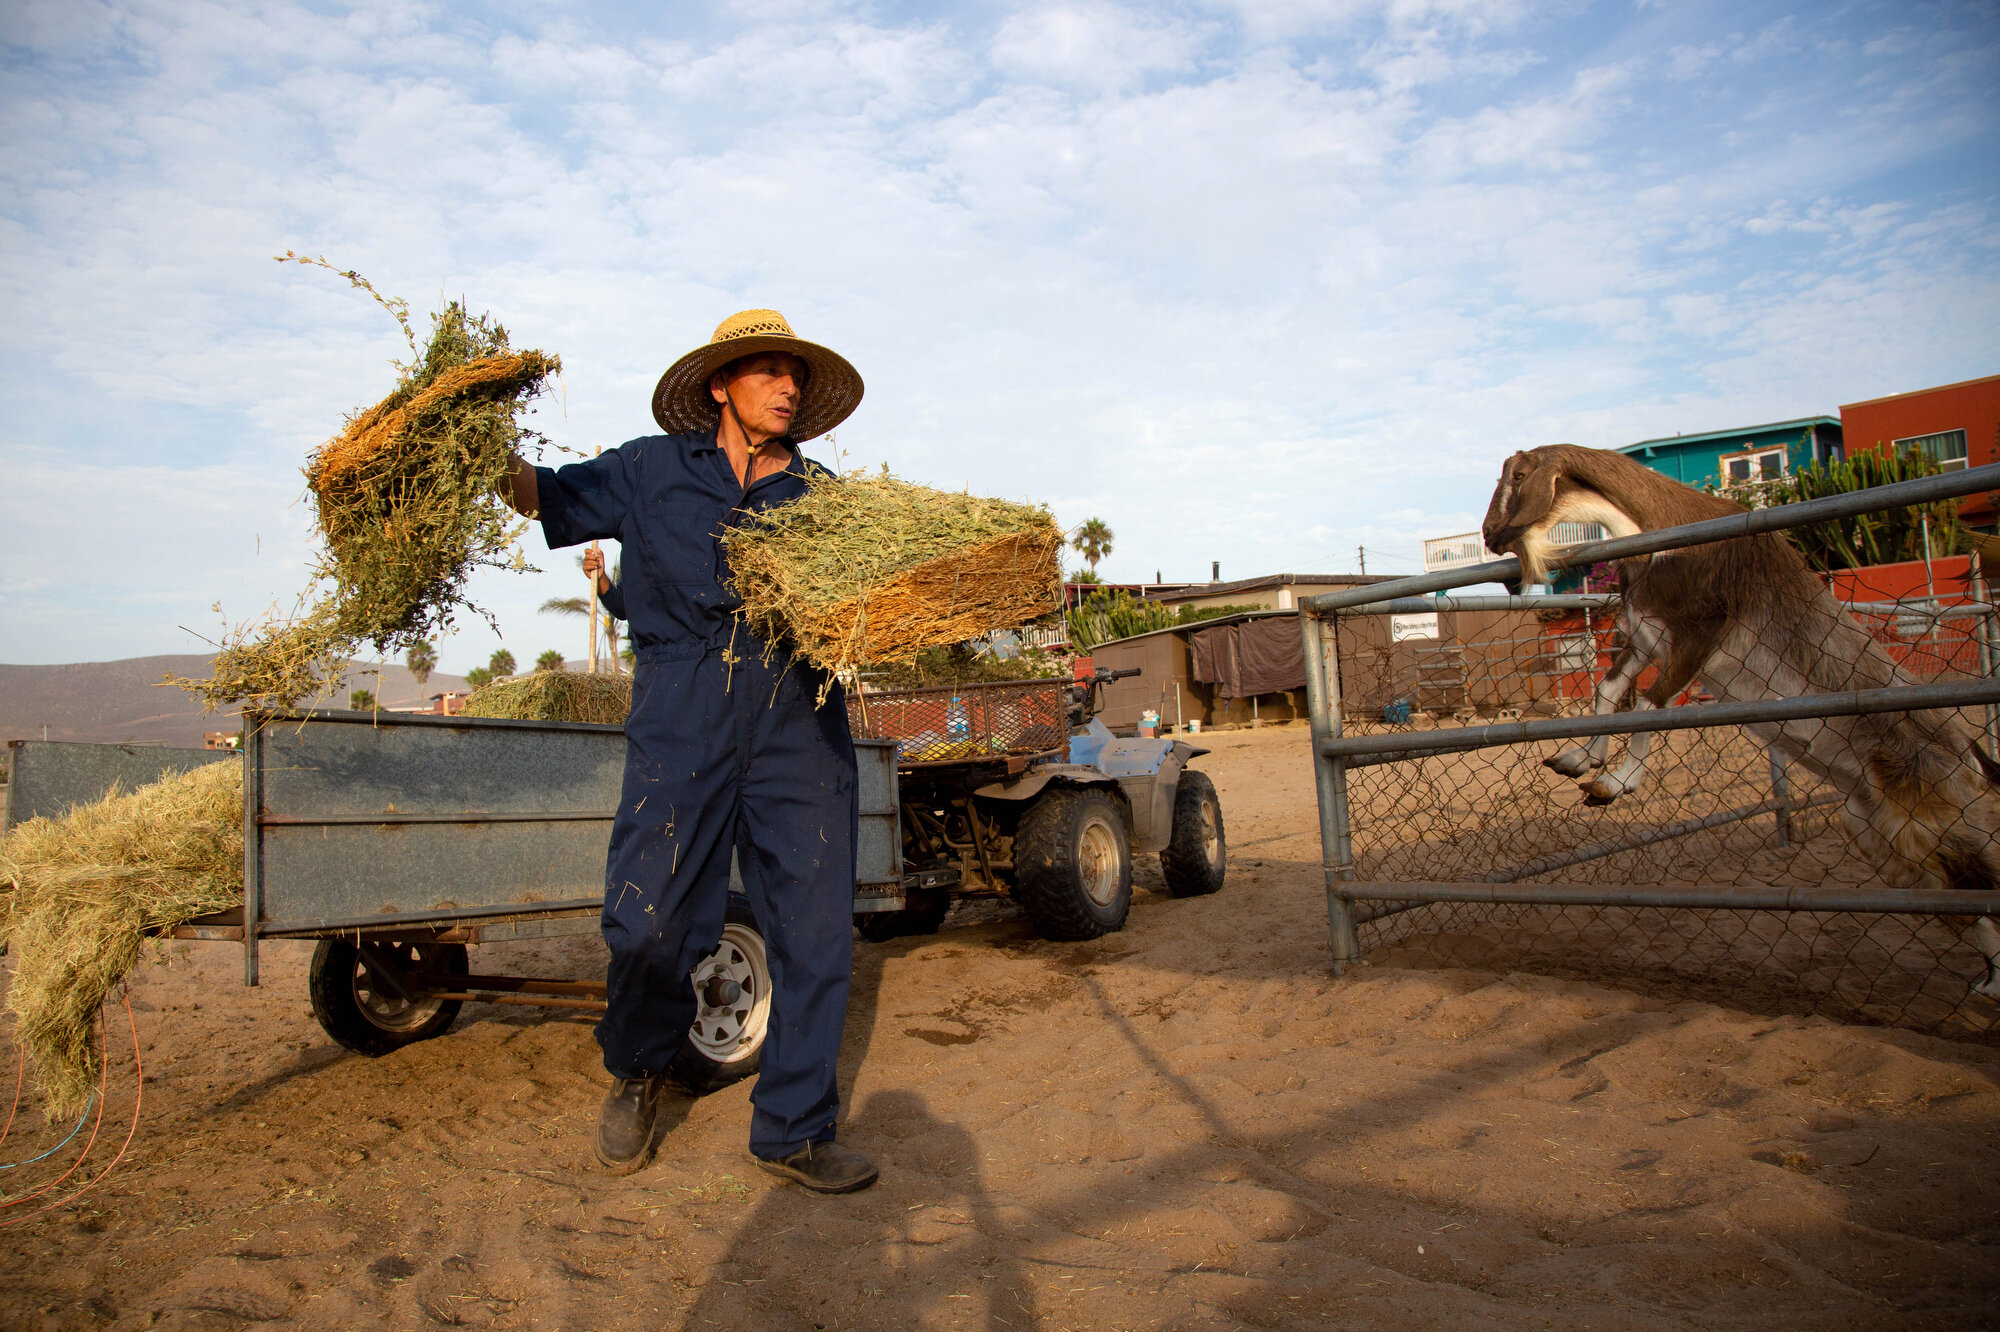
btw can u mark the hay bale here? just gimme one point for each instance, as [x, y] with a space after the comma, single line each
[569, 696]
[871, 569]
[407, 501]
[81, 892]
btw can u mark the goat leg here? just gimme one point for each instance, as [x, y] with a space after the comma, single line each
[1686, 654]
[1642, 644]
[1985, 936]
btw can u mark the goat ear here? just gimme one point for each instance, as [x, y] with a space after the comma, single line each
[1535, 491]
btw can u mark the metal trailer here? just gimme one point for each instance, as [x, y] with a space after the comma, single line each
[46, 778]
[400, 842]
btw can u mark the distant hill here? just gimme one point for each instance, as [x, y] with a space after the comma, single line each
[111, 701]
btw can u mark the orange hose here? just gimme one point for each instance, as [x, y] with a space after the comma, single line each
[103, 1071]
[20, 1067]
[138, 1098]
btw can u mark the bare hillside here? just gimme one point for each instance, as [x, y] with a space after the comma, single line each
[123, 701]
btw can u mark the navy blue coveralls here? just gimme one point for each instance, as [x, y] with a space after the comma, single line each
[723, 750]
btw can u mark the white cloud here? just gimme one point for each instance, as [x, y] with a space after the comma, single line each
[1256, 283]
[1094, 46]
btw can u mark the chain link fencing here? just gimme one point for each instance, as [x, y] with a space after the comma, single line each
[1471, 817]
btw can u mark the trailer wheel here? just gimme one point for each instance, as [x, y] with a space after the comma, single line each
[362, 1011]
[1073, 864]
[1197, 855]
[732, 988]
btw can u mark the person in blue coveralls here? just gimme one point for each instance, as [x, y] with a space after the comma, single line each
[725, 750]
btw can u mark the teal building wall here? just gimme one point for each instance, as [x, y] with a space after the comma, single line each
[1696, 460]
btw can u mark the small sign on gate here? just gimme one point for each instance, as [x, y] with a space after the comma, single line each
[1403, 627]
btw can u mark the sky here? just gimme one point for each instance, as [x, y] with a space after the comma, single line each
[1259, 283]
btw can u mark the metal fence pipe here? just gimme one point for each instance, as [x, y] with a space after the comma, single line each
[1321, 645]
[1752, 522]
[1607, 600]
[1962, 611]
[1537, 601]
[1364, 915]
[1666, 833]
[1884, 901]
[1852, 703]
[1983, 633]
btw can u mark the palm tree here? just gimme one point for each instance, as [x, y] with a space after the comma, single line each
[501, 663]
[552, 660]
[1093, 540]
[422, 659]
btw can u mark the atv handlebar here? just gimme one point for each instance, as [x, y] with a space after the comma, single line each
[1083, 692]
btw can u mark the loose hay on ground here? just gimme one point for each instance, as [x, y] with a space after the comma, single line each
[407, 503]
[569, 696]
[868, 568]
[83, 889]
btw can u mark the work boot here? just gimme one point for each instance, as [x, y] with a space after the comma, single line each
[625, 1124]
[823, 1167]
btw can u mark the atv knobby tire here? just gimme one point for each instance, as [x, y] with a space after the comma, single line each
[1073, 864]
[1197, 855]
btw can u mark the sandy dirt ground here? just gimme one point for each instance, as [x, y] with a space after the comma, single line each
[1185, 1125]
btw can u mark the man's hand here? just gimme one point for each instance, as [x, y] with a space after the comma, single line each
[593, 565]
[519, 489]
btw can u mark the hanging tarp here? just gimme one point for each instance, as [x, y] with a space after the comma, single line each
[1261, 656]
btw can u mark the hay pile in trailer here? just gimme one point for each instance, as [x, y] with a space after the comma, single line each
[867, 569]
[407, 502]
[82, 890]
[566, 696]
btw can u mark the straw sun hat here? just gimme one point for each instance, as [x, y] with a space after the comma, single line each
[831, 392]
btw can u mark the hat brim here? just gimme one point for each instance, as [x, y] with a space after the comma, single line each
[682, 402]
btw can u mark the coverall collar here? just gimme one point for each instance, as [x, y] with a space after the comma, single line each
[712, 443]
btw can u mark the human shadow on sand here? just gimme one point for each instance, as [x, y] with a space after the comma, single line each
[804, 1260]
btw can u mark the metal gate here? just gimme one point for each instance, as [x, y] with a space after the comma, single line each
[1725, 873]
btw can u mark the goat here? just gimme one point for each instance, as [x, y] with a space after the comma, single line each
[1749, 620]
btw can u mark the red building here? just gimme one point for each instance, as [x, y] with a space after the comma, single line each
[1958, 425]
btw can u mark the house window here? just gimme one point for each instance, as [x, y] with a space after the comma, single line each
[1946, 448]
[1740, 469]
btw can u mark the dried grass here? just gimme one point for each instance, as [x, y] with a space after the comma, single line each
[407, 503]
[871, 569]
[567, 696]
[82, 890]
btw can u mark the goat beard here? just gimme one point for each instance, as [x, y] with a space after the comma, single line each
[1534, 552]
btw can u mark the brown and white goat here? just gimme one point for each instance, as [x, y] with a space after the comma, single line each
[1749, 620]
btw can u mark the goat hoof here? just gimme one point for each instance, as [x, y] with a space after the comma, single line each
[1595, 801]
[1573, 764]
[1990, 987]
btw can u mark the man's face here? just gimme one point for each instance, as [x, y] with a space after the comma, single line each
[764, 390]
